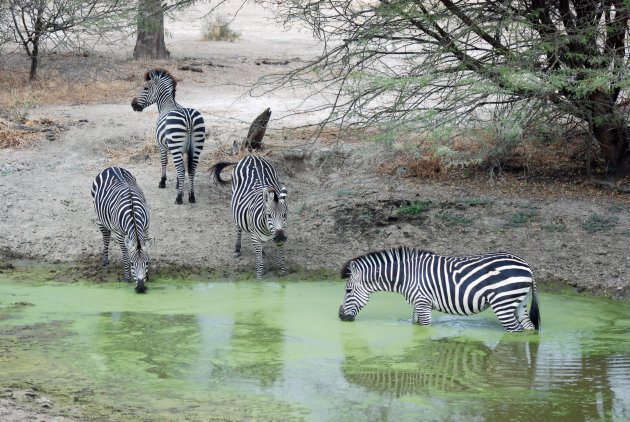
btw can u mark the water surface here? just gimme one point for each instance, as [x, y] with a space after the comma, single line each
[277, 351]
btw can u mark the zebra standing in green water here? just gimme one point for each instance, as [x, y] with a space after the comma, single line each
[454, 285]
[121, 208]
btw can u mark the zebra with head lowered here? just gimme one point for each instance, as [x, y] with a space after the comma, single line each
[454, 285]
[179, 130]
[258, 206]
[121, 208]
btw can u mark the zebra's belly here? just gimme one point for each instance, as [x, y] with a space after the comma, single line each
[457, 308]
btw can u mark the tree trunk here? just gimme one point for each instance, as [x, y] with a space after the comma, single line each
[150, 42]
[613, 134]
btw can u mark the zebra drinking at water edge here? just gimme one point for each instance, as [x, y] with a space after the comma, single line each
[454, 285]
[179, 130]
[121, 208]
[258, 206]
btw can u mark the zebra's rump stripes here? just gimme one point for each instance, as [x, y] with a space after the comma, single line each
[454, 285]
[121, 209]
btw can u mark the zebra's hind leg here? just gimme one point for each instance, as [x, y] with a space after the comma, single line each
[523, 317]
[237, 247]
[163, 160]
[192, 168]
[506, 312]
[107, 235]
[179, 165]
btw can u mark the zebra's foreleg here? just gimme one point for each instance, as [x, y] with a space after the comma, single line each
[179, 165]
[422, 313]
[237, 247]
[125, 257]
[506, 312]
[281, 261]
[107, 235]
[164, 161]
[259, 256]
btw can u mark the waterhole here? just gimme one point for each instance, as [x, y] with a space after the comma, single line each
[277, 351]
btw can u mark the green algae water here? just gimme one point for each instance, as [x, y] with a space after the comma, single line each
[276, 351]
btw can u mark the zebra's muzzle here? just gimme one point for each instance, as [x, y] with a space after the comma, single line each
[343, 316]
[140, 286]
[279, 237]
[135, 105]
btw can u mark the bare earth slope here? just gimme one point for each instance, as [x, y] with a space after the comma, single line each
[340, 206]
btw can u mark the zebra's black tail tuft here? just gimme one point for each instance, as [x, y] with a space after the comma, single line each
[534, 313]
[218, 167]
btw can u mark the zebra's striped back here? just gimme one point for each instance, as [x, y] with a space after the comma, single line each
[454, 285]
[121, 209]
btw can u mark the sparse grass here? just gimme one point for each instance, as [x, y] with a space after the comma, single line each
[366, 217]
[218, 29]
[342, 192]
[617, 208]
[303, 209]
[555, 227]
[520, 218]
[414, 208]
[596, 223]
[456, 220]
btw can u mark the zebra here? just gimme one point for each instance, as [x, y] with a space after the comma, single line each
[258, 206]
[179, 130]
[454, 285]
[121, 208]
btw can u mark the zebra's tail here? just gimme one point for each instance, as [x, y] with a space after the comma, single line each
[218, 167]
[190, 155]
[534, 313]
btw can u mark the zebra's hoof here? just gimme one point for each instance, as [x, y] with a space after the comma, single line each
[162, 184]
[105, 262]
[236, 255]
[191, 198]
[178, 200]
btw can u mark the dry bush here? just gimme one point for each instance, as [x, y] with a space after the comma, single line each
[405, 164]
[218, 29]
[63, 82]
[13, 135]
[138, 149]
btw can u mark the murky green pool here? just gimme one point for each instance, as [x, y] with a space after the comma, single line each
[276, 351]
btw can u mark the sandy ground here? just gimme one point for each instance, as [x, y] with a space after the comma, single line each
[340, 205]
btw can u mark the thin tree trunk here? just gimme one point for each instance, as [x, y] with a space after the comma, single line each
[613, 135]
[150, 41]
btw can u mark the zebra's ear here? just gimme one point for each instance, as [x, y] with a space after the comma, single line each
[129, 243]
[269, 194]
[352, 267]
[149, 242]
[283, 193]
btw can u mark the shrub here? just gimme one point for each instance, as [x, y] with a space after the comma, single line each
[414, 208]
[218, 29]
[596, 223]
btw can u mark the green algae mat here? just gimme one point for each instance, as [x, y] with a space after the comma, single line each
[276, 351]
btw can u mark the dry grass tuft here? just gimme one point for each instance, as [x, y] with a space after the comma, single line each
[13, 135]
[140, 149]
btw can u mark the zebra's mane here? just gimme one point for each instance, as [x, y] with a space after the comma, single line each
[160, 72]
[402, 252]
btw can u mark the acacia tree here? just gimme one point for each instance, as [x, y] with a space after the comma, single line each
[431, 66]
[150, 36]
[35, 24]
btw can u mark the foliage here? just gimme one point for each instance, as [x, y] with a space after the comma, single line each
[520, 218]
[414, 208]
[70, 25]
[596, 223]
[453, 69]
[456, 220]
[553, 227]
[218, 29]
